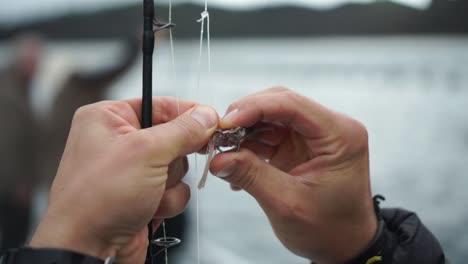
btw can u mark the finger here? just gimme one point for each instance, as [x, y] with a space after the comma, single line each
[235, 188]
[177, 170]
[276, 89]
[156, 224]
[184, 135]
[203, 150]
[173, 201]
[135, 250]
[269, 133]
[261, 150]
[272, 90]
[247, 171]
[289, 108]
[165, 109]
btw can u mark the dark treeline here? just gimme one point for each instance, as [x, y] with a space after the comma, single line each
[443, 17]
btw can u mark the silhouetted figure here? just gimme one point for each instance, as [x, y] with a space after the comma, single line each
[80, 89]
[17, 143]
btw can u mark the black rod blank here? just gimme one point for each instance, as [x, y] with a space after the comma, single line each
[150, 27]
[148, 50]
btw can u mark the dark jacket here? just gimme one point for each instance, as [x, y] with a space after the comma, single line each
[414, 242]
[402, 239]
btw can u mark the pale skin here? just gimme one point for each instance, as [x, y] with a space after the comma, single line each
[308, 170]
[315, 187]
[114, 177]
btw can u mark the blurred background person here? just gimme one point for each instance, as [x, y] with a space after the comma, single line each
[17, 141]
[80, 88]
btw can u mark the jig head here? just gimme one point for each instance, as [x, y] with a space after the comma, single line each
[226, 140]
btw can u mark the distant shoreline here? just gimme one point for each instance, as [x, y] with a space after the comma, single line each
[379, 18]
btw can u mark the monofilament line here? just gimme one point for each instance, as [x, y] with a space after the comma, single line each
[198, 215]
[205, 15]
[171, 43]
[166, 258]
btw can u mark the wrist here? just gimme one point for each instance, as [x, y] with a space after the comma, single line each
[56, 234]
[378, 249]
[359, 240]
[348, 237]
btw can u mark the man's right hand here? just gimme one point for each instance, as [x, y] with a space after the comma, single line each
[114, 177]
[308, 169]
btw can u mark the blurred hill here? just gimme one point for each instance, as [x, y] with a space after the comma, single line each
[382, 17]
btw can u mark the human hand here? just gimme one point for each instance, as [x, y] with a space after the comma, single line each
[308, 169]
[115, 177]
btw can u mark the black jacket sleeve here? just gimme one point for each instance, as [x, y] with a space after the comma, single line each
[49, 256]
[401, 239]
[414, 243]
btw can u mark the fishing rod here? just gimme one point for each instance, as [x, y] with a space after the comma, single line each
[150, 27]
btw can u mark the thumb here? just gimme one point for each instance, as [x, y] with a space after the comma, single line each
[184, 135]
[247, 171]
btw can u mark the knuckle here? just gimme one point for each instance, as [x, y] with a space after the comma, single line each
[233, 106]
[353, 137]
[280, 89]
[92, 110]
[81, 111]
[114, 105]
[360, 135]
[293, 96]
[84, 112]
[277, 89]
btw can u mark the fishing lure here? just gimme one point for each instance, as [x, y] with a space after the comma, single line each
[224, 140]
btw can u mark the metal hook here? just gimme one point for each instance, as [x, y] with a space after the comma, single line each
[226, 140]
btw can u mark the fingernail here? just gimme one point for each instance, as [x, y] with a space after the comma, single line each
[205, 116]
[231, 115]
[227, 171]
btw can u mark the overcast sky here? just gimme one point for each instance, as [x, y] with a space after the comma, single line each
[12, 11]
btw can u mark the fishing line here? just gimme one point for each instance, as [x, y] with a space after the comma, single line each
[198, 215]
[174, 77]
[166, 258]
[205, 15]
[174, 72]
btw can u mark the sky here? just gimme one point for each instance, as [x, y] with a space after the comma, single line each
[13, 11]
